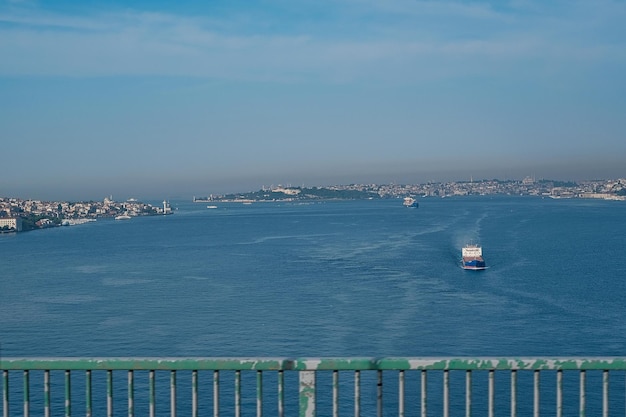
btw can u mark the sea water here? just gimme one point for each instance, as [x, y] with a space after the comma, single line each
[337, 278]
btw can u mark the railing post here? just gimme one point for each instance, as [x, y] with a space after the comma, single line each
[131, 394]
[307, 393]
[173, 393]
[68, 394]
[401, 394]
[468, 393]
[583, 399]
[259, 393]
[335, 393]
[109, 393]
[357, 393]
[513, 393]
[559, 393]
[379, 394]
[605, 393]
[237, 394]
[216, 394]
[424, 394]
[281, 394]
[537, 393]
[26, 394]
[46, 394]
[446, 393]
[88, 396]
[194, 393]
[5, 393]
[492, 394]
[152, 393]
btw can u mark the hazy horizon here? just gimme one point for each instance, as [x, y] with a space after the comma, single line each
[157, 99]
[158, 192]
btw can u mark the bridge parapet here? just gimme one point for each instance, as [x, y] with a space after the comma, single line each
[395, 385]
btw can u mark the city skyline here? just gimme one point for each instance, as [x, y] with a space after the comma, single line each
[159, 99]
[528, 186]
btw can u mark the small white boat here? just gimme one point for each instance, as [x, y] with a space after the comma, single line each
[410, 202]
[211, 207]
[122, 217]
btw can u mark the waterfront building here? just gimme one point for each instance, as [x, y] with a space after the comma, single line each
[11, 223]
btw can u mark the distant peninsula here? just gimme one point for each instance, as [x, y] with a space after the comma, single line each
[600, 189]
[294, 194]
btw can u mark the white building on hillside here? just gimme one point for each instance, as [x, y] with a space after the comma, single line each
[11, 223]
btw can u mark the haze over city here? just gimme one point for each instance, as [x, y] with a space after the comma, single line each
[155, 99]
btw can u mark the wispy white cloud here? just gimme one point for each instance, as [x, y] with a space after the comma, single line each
[446, 9]
[412, 39]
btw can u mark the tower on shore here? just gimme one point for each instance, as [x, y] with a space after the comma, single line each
[167, 209]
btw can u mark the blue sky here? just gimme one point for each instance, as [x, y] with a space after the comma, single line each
[152, 99]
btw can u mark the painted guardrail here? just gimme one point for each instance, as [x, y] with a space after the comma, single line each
[462, 386]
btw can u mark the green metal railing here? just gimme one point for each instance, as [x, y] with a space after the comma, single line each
[306, 372]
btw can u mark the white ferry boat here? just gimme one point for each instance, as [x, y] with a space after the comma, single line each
[410, 202]
[472, 257]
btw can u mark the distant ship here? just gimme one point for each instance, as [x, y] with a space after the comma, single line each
[122, 217]
[473, 257]
[410, 202]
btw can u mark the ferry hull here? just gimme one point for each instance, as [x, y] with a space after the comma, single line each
[473, 267]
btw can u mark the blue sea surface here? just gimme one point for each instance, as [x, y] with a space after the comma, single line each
[337, 278]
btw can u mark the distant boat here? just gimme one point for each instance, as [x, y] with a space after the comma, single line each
[122, 217]
[211, 207]
[410, 202]
[472, 257]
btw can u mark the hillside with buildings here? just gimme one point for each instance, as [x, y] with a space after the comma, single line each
[19, 214]
[603, 189]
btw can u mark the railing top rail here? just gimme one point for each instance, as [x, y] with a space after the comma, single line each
[317, 364]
